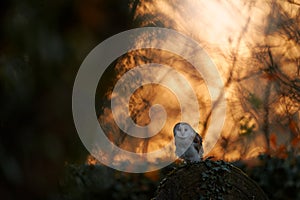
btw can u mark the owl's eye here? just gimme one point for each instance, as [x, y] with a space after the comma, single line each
[185, 129]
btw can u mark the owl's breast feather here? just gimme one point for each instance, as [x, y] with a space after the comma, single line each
[182, 144]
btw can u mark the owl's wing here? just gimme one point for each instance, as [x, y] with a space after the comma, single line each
[198, 143]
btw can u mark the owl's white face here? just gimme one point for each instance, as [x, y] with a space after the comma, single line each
[183, 130]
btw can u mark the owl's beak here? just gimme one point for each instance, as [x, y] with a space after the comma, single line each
[181, 132]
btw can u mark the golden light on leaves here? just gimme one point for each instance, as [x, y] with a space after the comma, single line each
[246, 40]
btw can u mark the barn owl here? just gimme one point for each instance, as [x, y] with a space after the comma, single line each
[188, 143]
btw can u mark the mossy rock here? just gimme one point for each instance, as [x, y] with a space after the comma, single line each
[208, 180]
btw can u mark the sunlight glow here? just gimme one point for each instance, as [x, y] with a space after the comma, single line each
[229, 31]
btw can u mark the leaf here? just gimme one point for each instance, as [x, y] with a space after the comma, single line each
[294, 128]
[295, 141]
[273, 141]
[282, 152]
[255, 101]
[269, 76]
